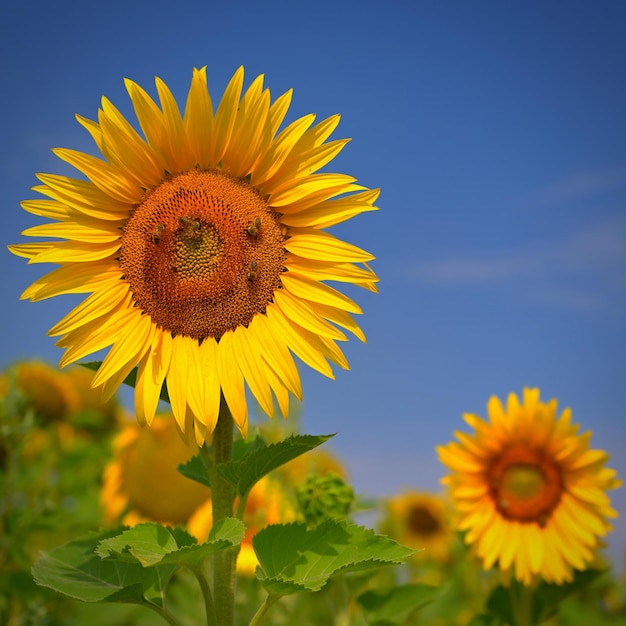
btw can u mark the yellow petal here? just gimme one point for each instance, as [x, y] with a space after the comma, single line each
[297, 341]
[252, 367]
[314, 291]
[232, 381]
[108, 297]
[304, 315]
[76, 252]
[276, 354]
[309, 190]
[177, 380]
[103, 175]
[74, 231]
[225, 117]
[322, 246]
[198, 118]
[82, 196]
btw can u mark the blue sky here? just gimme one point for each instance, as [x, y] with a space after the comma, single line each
[497, 133]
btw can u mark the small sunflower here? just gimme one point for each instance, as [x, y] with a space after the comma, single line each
[528, 490]
[201, 243]
[420, 520]
[48, 391]
[142, 483]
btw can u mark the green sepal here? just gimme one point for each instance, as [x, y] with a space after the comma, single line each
[293, 558]
[260, 459]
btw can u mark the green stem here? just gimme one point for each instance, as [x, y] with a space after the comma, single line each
[166, 615]
[222, 499]
[522, 604]
[263, 609]
[211, 616]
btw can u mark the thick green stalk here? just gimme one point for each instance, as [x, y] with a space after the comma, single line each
[222, 498]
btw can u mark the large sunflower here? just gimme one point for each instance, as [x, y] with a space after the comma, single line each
[528, 490]
[202, 246]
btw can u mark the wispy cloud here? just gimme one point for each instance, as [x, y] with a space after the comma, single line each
[576, 186]
[582, 269]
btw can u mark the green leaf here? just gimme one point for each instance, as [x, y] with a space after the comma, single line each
[195, 469]
[547, 598]
[76, 570]
[294, 558]
[261, 459]
[130, 380]
[151, 544]
[394, 605]
[499, 604]
[486, 619]
[147, 543]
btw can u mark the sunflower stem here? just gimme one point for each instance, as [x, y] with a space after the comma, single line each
[522, 604]
[222, 499]
[270, 600]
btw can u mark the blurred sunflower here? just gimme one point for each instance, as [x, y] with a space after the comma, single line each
[268, 503]
[49, 392]
[142, 483]
[202, 246]
[420, 520]
[528, 490]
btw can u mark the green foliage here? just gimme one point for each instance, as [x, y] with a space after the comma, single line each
[394, 605]
[512, 605]
[295, 558]
[76, 570]
[152, 544]
[196, 469]
[261, 459]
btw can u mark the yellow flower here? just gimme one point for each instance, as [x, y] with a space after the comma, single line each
[142, 483]
[420, 520]
[49, 392]
[202, 246]
[268, 503]
[528, 490]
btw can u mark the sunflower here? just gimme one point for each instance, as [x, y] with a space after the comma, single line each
[141, 483]
[201, 243]
[528, 490]
[49, 392]
[420, 520]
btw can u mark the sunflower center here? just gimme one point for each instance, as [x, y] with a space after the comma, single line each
[525, 485]
[203, 254]
[422, 522]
